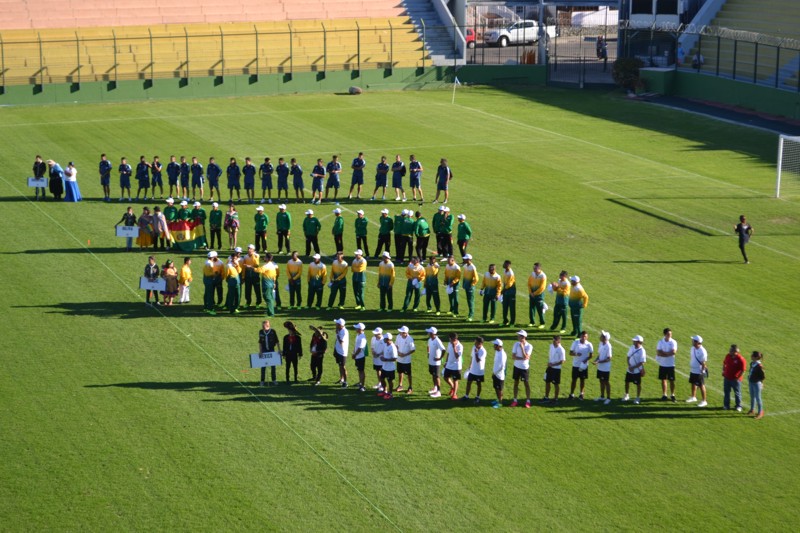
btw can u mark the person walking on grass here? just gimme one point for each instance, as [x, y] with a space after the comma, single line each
[405, 349]
[665, 357]
[521, 354]
[476, 370]
[360, 354]
[389, 360]
[341, 344]
[268, 342]
[756, 379]
[697, 370]
[637, 357]
[436, 351]
[552, 375]
[603, 362]
[443, 177]
[733, 368]
[498, 372]
[744, 230]
[582, 352]
[452, 368]
[537, 283]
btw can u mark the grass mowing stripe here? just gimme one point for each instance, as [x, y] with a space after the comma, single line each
[211, 358]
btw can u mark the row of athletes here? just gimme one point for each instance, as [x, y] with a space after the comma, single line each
[392, 358]
[180, 174]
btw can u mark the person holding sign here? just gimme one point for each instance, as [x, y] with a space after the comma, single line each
[268, 342]
[39, 169]
[152, 273]
[129, 220]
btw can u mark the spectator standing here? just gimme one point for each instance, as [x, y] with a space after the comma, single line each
[637, 357]
[665, 357]
[744, 231]
[697, 370]
[756, 381]
[733, 367]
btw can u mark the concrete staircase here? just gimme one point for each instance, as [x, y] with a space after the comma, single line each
[438, 34]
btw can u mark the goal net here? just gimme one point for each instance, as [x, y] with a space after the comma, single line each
[788, 183]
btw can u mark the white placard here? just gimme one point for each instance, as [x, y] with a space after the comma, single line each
[127, 231]
[37, 182]
[260, 360]
[158, 285]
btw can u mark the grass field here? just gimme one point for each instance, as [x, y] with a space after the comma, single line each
[119, 416]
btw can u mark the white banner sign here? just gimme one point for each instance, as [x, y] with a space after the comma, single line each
[37, 182]
[158, 285]
[127, 231]
[260, 360]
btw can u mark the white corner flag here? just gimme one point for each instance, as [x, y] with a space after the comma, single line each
[456, 83]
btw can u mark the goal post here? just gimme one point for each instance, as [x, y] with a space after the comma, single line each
[788, 164]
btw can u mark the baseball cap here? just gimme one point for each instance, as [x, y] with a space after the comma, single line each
[432, 330]
[337, 211]
[251, 247]
[360, 212]
[196, 204]
[462, 217]
[358, 252]
[215, 204]
[604, 333]
[170, 200]
[212, 254]
[309, 212]
[184, 202]
[468, 256]
[441, 208]
[638, 338]
[282, 206]
[386, 254]
[497, 342]
[317, 256]
[387, 336]
[238, 249]
[377, 331]
[576, 279]
[522, 333]
[697, 338]
[260, 208]
[359, 326]
[446, 209]
[339, 322]
[403, 329]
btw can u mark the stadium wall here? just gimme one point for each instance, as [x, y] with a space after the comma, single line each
[301, 82]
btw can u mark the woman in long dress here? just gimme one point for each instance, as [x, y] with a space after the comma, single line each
[170, 275]
[56, 184]
[73, 193]
[145, 238]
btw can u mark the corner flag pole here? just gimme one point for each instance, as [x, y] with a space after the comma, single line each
[456, 83]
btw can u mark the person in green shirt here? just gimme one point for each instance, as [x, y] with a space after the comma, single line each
[262, 221]
[463, 234]
[171, 212]
[338, 230]
[183, 213]
[283, 227]
[214, 224]
[311, 229]
[422, 231]
[361, 224]
[447, 232]
[384, 234]
[198, 216]
[436, 225]
[399, 228]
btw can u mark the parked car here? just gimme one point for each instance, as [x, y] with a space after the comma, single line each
[469, 35]
[522, 32]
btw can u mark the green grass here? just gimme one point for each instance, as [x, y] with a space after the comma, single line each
[117, 416]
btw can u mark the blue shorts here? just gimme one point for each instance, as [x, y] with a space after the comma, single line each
[125, 182]
[441, 186]
[266, 183]
[233, 184]
[357, 180]
[297, 182]
[249, 183]
[197, 182]
[380, 181]
[397, 182]
[105, 181]
[333, 181]
[413, 182]
[185, 181]
[316, 185]
[156, 180]
[144, 183]
[173, 180]
[213, 183]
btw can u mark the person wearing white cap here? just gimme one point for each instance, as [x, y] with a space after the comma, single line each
[197, 178]
[361, 224]
[265, 170]
[338, 283]
[231, 274]
[214, 225]
[386, 282]
[436, 349]
[311, 229]
[491, 285]
[697, 370]
[582, 352]
[432, 285]
[552, 374]
[578, 301]
[333, 169]
[249, 171]
[537, 283]
[294, 271]
[341, 343]
[232, 226]
[384, 233]
[376, 345]
[415, 180]
[665, 357]
[261, 223]
[360, 354]
[357, 179]
[452, 276]
[269, 272]
[469, 278]
[380, 179]
[476, 370]
[359, 269]
[405, 348]
[317, 272]
[400, 234]
[443, 177]
[415, 276]
[521, 354]
[398, 171]
[447, 232]
[209, 275]
[183, 212]
[453, 365]
[234, 174]
[407, 234]
[283, 227]
[317, 176]
[561, 288]
[389, 360]
[463, 234]
[499, 372]
[198, 216]
[251, 263]
[337, 230]
[213, 172]
[637, 357]
[603, 362]
[436, 226]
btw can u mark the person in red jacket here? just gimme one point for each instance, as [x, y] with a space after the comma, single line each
[733, 368]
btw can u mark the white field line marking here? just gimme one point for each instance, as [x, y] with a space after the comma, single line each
[191, 340]
[648, 206]
[784, 413]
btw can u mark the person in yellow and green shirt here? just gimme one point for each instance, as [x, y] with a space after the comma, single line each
[537, 283]
[432, 284]
[250, 264]
[269, 280]
[491, 286]
[209, 276]
[184, 280]
[338, 283]
[317, 272]
[469, 278]
[415, 274]
[231, 274]
[361, 224]
[337, 230]
[294, 270]
[452, 276]
[509, 295]
[359, 269]
[219, 276]
[578, 301]
[386, 282]
[561, 288]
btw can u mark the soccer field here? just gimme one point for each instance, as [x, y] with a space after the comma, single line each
[115, 415]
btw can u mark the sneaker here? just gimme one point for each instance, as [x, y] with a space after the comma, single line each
[636, 401]
[431, 391]
[702, 404]
[397, 199]
[739, 409]
[580, 397]
[477, 401]
[316, 383]
[398, 389]
[344, 384]
[387, 396]
[664, 398]
[544, 399]
[571, 397]
[376, 387]
[600, 399]
[261, 384]
[362, 388]
[607, 402]
[514, 403]
[626, 398]
[496, 404]
[760, 415]
[410, 391]
[527, 404]
[693, 399]
[465, 397]
[275, 382]
[673, 399]
[269, 201]
[436, 394]
[454, 398]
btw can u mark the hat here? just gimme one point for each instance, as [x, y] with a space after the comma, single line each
[282, 206]
[638, 338]
[170, 200]
[360, 212]
[317, 256]
[386, 254]
[441, 208]
[337, 211]
[339, 322]
[446, 209]
[184, 202]
[215, 204]
[384, 211]
[387, 336]
[360, 326]
[467, 256]
[290, 326]
[462, 216]
[260, 208]
[377, 331]
[196, 204]
[358, 252]
[238, 249]
[432, 330]
[403, 329]
[318, 331]
[497, 342]
[698, 339]
[309, 212]
[406, 212]
[576, 279]
[212, 254]
[604, 333]
[251, 247]
[522, 333]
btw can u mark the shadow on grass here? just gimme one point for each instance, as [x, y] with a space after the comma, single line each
[123, 310]
[648, 409]
[682, 262]
[47, 251]
[662, 218]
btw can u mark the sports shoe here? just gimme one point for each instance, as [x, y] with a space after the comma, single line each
[362, 388]
[626, 398]
[275, 382]
[496, 404]
[398, 389]
[431, 391]
[465, 397]
[316, 383]
[673, 399]
[477, 401]
[664, 398]
[410, 391]
[600, 399]
[436, 394]
[376, 386]
[580, 397]
[387, 396]
[514, 403]
[261, 384]
[527, 404]
[544, 399]
[693, 399]
[702, 404]
[760, 415]
[344, 384]
[571, 397]
[739, 409]
[636, 401]
[607, 402]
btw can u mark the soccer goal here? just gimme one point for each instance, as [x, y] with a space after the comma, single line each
[788, 166]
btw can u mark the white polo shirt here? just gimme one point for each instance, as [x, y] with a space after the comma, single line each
[342, 342]
[699, 355]
[499, 369]
[604, 351]
[361, 342]
[435, 349]
[389, 352]
[636, 356]
[478, 364]
[557, 355]
[376, 347]
[519, 351]
[666, 346]
[584, 352]
[454, 354]
[404, 346]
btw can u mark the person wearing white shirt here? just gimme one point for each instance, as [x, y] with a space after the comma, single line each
[697, 369]
[340, 347]
[452, 368]
[436, 350]
[582, 352]
[555, 358]
[499, 372]
[603, 362]
[360, 354]
[476, 369]
[405, 347]
[376, 348]
[637, 357]
[665, 357]
[521, 354]
[389, 359]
